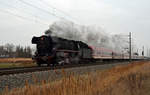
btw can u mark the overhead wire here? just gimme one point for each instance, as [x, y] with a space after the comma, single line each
[54, 8]
[33, 6]
[41, 9]
[20, 16]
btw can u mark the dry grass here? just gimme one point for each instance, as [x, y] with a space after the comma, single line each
[13, 65]
[120, 80]
[16, 60]
[146, 86]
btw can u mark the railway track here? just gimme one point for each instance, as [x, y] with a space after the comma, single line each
[8, 71]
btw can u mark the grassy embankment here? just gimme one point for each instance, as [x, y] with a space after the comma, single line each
[16, 62]
[130, 79]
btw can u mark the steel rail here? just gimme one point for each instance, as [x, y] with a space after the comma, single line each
[8, 71]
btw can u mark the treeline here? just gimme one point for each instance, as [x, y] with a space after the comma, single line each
[10, 50]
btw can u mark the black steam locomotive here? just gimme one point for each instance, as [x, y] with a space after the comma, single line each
[53, 50]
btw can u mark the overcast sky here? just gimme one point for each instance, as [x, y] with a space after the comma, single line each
[114, 16]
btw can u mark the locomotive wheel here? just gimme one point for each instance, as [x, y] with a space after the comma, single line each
[48, 64]
[39, 64]
[59, 61]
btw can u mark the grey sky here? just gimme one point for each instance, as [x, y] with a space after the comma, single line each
[115, 16]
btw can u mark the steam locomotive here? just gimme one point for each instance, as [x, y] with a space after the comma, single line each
[53, 50]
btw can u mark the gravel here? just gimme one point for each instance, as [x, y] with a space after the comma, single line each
[19, 80]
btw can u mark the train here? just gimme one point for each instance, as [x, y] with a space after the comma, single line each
[53, 50]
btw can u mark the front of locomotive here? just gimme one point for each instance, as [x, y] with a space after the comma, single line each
[44, 46]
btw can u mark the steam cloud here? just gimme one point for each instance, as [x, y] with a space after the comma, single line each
[92, 35]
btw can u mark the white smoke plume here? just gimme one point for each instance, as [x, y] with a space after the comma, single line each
[92, 35]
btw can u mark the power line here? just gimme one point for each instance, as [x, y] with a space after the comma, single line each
[27, 18]
[50, 6]
[33, 6]
[15, 8]
[38, 8]
[22, 17]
